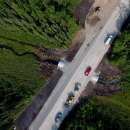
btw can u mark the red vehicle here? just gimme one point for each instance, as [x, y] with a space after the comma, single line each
[88, 71]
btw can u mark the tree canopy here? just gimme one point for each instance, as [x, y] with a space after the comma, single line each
[24, 23]
[113, 112]
[94, 115]
[51, 20]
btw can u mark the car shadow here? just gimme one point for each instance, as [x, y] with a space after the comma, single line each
[54, 127]
[86, 69]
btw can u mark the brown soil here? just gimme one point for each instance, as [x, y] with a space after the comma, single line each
[81, 11]
[106, 68]
[106, 71]
[76, 44]
[86, 92]
[56, 54]
[31, 112]
[102, 90]
[69, 54]
[92, 19]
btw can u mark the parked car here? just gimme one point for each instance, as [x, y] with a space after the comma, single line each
[14, 127]
[88, 71]
[58, 116]
[108, 41]
[78, 86]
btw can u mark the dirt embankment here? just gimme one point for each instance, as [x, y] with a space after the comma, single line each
[107, 72]
[49, 69]
[80, 12]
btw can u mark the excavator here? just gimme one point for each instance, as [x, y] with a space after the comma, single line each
[70, 100]
[98, 9]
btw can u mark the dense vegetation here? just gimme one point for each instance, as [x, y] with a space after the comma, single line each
[121, 56]
[23, 25]
[20, 81]
[113, 112]
[51, 22]
[96, 115]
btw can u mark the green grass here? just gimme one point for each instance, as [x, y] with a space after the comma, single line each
[20, 78]
[19, 48]
[24, 67]
[20, 35]
[115, 105]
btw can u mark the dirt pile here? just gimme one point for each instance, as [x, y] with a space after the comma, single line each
[81, 11]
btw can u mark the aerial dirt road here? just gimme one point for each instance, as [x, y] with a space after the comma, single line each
[74, 72]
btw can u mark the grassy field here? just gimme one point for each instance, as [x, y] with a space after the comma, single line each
[24, 26]
[117, 104]
[20, 35]
[20, 80]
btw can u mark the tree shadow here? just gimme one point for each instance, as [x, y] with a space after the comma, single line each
[124, 13]
[54, 127]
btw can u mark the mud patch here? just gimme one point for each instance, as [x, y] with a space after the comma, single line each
[91, 12]
[102, 90]
[81, 11]
[94, 20]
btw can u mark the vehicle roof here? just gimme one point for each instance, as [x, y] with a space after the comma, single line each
[89, 69]
[109, 39]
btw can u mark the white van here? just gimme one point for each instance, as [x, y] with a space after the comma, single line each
[108, 41]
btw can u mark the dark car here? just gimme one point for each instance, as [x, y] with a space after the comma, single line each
[58, 117]
[78, 86]
[88, 71]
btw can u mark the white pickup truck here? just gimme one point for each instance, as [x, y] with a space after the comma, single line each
[108, 41]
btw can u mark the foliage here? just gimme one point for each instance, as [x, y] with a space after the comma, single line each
[94, 115]
[20, 81]
[121, 56]
[113, 112]
[24, 23]
[51, 21]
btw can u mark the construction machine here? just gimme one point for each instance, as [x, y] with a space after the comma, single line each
[70, 100]
[98, 9]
